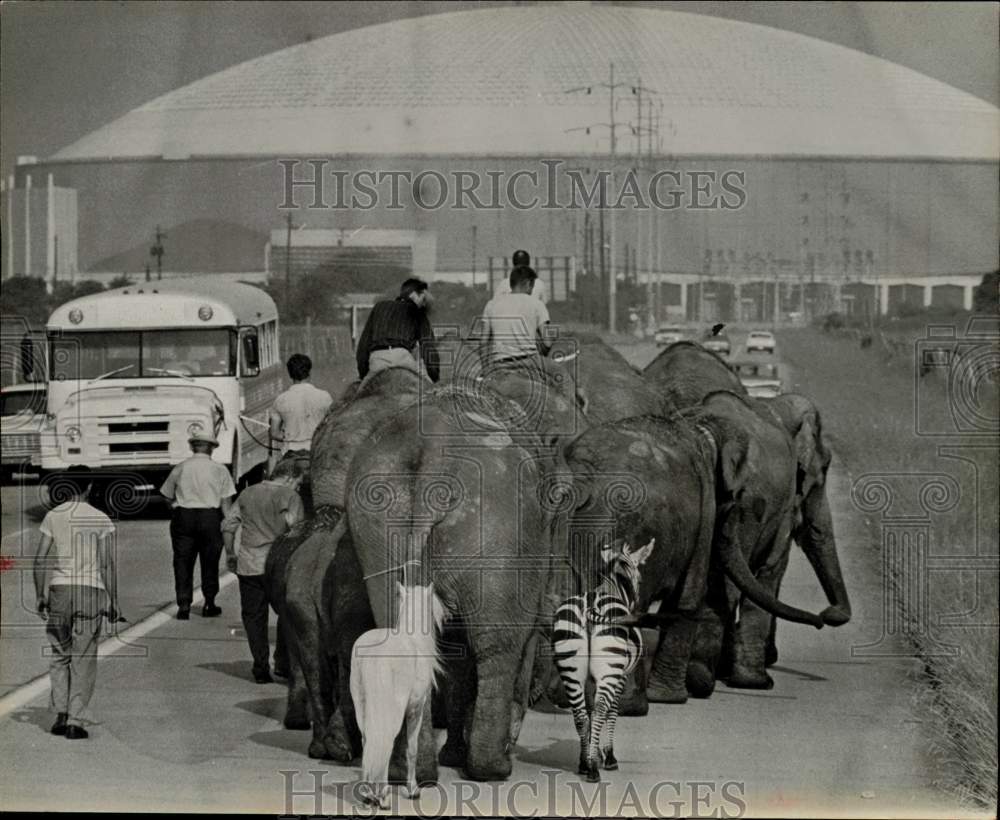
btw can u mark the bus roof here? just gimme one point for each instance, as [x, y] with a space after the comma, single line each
[144, 305]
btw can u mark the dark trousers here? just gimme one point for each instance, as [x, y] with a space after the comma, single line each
[254, 611]
[196, 535]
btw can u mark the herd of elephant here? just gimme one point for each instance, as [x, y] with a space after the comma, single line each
[502, 489]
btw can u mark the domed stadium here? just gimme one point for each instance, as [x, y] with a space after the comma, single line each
[853, 167]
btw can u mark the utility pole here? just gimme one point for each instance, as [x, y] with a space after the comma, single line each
[611, 125]
[157, 251]
[288, 260]
[473, 256]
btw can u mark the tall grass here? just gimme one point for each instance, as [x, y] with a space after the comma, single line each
[868, 401]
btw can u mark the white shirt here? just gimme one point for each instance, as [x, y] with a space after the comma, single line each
[300, 408]
[76, 530]
[198, 483]
[513, 320]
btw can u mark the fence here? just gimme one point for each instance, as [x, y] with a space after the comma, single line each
[318, 342]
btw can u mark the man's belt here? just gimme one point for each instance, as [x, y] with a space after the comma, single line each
[387, 346]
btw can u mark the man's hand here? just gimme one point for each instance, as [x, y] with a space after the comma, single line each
[43, 608]
[114, 615]
[231, 563]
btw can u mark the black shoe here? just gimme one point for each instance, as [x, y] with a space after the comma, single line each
[263, 677]
[281, 673]
[59, 727]
[210, 611]
[184, 614]
[76, 733]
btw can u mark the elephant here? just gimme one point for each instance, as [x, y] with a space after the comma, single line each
[303, 578]
[612, 388]
[461, 507]
[687, 373]
[683, 484]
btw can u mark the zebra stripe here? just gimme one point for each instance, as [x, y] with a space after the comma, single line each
[588, 641]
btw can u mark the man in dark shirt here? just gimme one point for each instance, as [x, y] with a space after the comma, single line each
[393, 332]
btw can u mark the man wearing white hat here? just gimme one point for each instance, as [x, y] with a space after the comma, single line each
[200, 491]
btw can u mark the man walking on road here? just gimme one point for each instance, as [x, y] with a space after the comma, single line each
[200, 491]
[295, 415]
[395, 329]
[75, 585]
[263, 512]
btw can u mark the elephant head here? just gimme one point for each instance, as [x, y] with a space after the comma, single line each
[813, 530]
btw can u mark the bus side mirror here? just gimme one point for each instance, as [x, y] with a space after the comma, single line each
[251, 355]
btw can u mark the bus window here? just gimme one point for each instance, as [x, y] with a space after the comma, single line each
[251, 354]
[89, 355]
[200, 352]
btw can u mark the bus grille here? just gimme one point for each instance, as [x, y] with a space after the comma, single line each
[139, 447]
[139, 427]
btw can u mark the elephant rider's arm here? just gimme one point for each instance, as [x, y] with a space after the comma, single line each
[542, 328]
[295, 512]
[364, 343]
[428, 348]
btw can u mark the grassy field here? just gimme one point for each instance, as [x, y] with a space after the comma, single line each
[879, 413]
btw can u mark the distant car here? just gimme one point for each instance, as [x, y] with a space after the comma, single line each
[22, 413]
[760, 340]
[668, 334]
[717, 344]
[761, 379]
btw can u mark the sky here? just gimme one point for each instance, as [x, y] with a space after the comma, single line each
[67, 68]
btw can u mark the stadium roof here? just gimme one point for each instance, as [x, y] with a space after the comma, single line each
[492, 82]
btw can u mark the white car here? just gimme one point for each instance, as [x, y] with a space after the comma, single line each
[760, 379]
[668, 334]
[22, 413]
[760, 340]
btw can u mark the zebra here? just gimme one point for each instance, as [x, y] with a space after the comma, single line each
[590, 640]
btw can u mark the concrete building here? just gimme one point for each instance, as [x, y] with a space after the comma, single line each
[39, 227]
[308, 248]
[855, 172]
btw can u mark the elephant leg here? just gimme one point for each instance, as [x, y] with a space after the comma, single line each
[297, 708]
[668, 679]
[489, 740]
[460, 685]
[750, 636]
[771, 650]
[706, 650]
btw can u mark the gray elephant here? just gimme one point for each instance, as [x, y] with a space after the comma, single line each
[681, 483]
[686, 373]
[458, 504]
[310, 602]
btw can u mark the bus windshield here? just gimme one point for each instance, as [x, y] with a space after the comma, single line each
[128, 354]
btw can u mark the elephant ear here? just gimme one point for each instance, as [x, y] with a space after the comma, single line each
[737, 457]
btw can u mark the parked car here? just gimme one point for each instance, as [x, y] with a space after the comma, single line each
[761, 379]
[668, 334]
[717, 344]
[22, 413]
[760, 340]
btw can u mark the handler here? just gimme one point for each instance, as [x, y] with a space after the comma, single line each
[200, 491]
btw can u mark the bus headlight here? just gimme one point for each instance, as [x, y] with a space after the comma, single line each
[74, 434]
[194, 428]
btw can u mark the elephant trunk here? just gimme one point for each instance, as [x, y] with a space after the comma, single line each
[815, 536]
[735, 565]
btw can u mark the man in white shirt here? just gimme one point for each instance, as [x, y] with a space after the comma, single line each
[514, 323]
[75, 585]
[297, 412]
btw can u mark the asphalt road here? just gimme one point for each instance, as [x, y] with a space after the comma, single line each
[182, 727]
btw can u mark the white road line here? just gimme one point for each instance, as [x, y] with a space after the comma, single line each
[26, 693]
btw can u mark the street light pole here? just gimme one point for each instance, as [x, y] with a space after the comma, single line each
[288, 260]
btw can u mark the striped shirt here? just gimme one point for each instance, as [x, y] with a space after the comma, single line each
[398, 323]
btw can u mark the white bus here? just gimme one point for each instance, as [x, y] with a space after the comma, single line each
[134, 371]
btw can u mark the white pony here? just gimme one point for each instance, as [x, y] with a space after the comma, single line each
[392, 674]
